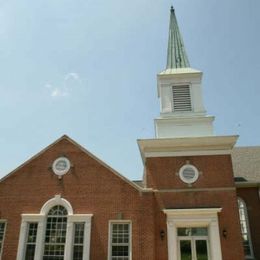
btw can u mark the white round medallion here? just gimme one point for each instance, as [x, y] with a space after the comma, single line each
[188, 173]
[61, 166]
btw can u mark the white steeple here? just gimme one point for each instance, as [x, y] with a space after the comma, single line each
[179, 89]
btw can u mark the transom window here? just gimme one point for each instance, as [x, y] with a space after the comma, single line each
[245, 228]
[120, 241]
[55, 236]
[181, 98]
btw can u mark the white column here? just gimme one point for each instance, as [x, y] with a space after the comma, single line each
[69, 239]
[214, 238]
[40, 238]
[87, 232]
[172, 240]
[22, 238]
[78, 218]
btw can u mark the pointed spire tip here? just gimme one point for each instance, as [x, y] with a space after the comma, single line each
[176, 54]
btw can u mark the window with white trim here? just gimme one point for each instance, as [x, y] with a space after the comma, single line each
[2, 235]
[120, 240]
[188, 173]
[181, 98]
[78, 243]
[244, 223]
[56, 233]
[31, 241]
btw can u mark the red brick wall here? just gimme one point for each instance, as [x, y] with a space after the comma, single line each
[90, 188]
[251, 198]
[214, 188]
[216, 171]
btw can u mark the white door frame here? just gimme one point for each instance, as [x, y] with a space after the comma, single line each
[202, 217]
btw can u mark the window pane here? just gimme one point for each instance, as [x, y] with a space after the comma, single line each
[78, 252]
[244, 227]
[184, 231]
[185, 249]
[201, 250]
[30, 250]
[200, 231]
[120, 241]
[120, 250]
[2, 232]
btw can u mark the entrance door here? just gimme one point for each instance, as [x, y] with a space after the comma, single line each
[193, 243]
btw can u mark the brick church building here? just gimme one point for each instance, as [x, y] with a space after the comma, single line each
[199, 197]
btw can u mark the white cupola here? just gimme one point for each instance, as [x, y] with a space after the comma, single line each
[179, 89]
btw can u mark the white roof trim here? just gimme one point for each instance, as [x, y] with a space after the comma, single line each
[194, 211]
[186, 146]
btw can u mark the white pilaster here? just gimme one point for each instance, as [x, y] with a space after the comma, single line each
[215, 246]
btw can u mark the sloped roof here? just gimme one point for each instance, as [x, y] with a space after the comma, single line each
[246, 163]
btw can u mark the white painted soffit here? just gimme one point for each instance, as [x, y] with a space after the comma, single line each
[186, 146]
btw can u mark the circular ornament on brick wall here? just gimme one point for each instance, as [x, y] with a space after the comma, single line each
[61, 166]
[188, 173]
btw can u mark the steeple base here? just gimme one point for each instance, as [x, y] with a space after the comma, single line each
[184, 127]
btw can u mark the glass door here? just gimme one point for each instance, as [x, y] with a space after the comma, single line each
[193, 243]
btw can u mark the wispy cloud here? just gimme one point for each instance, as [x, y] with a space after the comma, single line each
[72, 75]
[70, 82]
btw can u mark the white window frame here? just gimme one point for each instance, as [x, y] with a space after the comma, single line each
[73, 238]
[111, 222]
[27, 234]
[248, 228]
[41, 220]
[205, 217]
[3, 221]
[195, 177]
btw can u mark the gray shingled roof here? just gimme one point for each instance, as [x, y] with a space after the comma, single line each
[246, 163]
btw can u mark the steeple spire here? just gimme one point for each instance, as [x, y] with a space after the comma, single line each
[176, 55]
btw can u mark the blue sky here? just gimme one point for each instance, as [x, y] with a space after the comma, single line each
[87, 68]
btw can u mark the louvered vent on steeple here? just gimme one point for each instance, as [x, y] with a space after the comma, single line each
[181, 98]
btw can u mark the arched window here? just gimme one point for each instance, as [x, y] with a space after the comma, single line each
[55, 234]
[245, 228]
